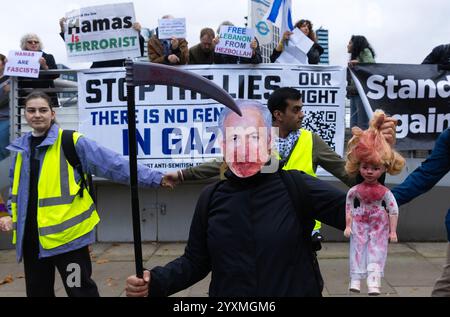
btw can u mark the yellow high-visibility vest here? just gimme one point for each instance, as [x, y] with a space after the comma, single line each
[301, 158]
[62, 215]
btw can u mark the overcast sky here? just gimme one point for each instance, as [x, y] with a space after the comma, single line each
[401, 31]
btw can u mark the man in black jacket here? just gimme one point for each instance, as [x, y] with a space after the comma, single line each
[245, 230]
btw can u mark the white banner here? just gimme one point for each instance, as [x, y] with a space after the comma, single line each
[23, 64]
[178, 128]
[101, 33]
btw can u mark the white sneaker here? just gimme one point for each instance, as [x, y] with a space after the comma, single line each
[373, 291]
[355, 286]
[373, 284]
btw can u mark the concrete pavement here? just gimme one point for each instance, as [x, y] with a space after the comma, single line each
[411, 269]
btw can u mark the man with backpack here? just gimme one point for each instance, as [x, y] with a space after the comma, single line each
[252, 230]
[53, 214]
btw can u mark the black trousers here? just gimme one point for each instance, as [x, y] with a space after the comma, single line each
[75, 268]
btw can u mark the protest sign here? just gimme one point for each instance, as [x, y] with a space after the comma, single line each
[417, 95]
[168, 28]
[235, 41]
[23, 64]
[101, 33]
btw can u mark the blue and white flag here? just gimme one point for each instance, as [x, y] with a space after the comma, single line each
[286, 14]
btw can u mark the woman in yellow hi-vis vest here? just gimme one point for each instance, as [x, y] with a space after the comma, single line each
[52, 214]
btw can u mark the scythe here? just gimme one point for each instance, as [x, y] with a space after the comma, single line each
[141, 73]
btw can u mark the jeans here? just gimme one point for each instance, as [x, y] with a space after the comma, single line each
[358, 115]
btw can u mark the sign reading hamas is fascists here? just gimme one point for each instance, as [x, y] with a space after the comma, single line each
[101, 33]
[417, 95]
[177, 128]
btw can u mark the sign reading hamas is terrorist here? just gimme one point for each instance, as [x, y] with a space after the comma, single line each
[417, 95]
[101, 33]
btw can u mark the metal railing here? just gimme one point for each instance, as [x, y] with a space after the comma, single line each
[67, 92]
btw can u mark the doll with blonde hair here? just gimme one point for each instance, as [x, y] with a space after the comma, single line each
[372, 223]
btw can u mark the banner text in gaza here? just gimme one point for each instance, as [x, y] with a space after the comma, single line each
[255, 87]
[169, 115]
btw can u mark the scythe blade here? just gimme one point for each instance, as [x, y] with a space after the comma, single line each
[159, 74]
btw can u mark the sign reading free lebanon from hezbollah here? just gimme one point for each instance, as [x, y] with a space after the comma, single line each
[101, 33]
[177, 128]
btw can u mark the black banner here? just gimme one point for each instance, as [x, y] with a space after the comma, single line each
[417, 95]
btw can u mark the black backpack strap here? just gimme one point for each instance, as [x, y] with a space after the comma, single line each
[298, 192]
[204, 201]
[73, 159]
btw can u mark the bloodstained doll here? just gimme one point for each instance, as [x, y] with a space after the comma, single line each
[371, 209]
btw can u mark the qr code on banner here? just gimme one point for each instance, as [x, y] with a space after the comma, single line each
[323, 123]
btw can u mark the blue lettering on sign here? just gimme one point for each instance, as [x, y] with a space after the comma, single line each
[175, 116]
[171, 141]
[191, 142]
[142, 142]
[262, 28]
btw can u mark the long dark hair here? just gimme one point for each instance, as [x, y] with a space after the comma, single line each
[311, 34]
[359, 44]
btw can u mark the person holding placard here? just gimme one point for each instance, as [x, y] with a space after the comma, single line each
[172, 51]
[114, 62]
[31, 42]
[314, 52]
[230, 59]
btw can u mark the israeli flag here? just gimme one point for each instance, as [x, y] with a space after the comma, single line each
[286, 14]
